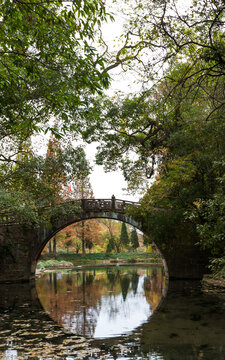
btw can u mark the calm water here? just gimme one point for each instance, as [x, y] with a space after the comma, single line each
[111, 313]
[102, 303]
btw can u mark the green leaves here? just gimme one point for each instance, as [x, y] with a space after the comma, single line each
[32, 182]
[47, 60]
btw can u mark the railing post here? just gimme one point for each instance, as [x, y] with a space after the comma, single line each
[113, 202]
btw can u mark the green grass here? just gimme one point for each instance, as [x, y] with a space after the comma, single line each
[129, 257]
[43, 264]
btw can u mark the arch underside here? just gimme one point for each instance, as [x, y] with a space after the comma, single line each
[48, 234]
[87, 215]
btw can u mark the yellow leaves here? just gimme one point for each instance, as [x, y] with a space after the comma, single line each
[197, 204]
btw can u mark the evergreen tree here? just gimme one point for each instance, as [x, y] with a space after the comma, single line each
[110, 245]
[134, 239]
[124, 238]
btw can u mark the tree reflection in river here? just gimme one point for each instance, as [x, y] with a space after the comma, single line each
[102, 302]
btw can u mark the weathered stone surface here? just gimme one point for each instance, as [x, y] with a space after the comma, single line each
[21, 246]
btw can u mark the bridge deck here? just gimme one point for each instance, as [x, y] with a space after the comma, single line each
[94, 205]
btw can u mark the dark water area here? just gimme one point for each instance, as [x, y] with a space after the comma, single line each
[111, 313]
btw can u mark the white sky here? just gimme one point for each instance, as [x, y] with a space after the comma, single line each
[104, 184]
[107, 184]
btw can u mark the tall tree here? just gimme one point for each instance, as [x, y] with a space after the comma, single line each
[134, 239]
[111, 244]
[185, 62]
[49, 66]
[31, 182]
[124, 237]
[176, 124]
[84, 190]
[113, 236]
[49, 69]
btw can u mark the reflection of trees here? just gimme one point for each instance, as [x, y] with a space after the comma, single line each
[71, 301]
[154, 285]
[74, 300]
[111, 276]
[134, 282]
[125, 283]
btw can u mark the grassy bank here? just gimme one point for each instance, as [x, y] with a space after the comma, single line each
[69, 260]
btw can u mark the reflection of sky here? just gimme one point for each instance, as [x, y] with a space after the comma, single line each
[118, 317]
[10, 355]
[150, 357]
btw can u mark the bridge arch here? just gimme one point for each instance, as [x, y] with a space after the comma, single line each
[112, 216]
[95, 209]
[90, 209]
[22, 245]
[114, 209]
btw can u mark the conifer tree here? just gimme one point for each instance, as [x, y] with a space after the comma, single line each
[134, 239]
[110, 245]
[124, 238]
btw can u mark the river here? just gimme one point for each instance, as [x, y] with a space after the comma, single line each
[119, 312]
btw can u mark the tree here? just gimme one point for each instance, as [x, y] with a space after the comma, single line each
[179, 55]
[113, 235]
[210, 219]
[134, 239]
[176, 125]
[83, 191]
[111, 245]
[49, 66]
[78, 246]
[88, 233]
[160, 33]
[49, 69]
[32, 182]
[124, 238]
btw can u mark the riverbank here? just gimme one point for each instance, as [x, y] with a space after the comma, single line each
[211, 284]
[64, 261]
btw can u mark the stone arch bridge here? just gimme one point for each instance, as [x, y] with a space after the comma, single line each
[20, 245]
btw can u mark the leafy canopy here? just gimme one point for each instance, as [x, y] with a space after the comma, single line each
[48, 64]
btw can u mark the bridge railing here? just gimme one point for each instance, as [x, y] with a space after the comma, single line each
[112, 204]
[95, 205]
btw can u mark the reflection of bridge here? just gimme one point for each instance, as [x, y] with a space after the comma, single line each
[20, 246]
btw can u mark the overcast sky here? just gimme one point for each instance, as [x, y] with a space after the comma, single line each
[107, 184]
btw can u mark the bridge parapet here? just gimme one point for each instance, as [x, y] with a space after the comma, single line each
[112, 204]
[94, 205]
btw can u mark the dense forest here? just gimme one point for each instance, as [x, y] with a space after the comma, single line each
[167, 138]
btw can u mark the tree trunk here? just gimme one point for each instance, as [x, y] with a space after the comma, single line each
[50, 247]
[54, 246]
[83, 239]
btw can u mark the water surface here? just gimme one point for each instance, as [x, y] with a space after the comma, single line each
[102, 302]
[188, 324]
